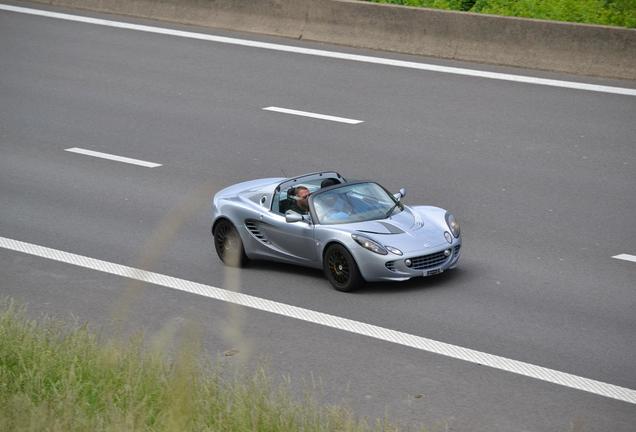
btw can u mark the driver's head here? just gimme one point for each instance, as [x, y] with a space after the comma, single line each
[302, 196]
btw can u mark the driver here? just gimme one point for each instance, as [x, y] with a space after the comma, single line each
[300, 200]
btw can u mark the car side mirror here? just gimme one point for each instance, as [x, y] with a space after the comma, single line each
[291, 216]
[401, 194]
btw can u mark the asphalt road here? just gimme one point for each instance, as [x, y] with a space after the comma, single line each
[542, 179]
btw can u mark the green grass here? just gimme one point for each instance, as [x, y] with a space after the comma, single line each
[621, 13]
[59, 377]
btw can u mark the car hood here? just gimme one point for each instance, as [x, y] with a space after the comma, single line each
[408, 231]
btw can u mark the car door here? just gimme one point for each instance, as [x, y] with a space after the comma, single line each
[294, 241]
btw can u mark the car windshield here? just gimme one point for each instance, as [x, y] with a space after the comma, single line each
[354, 203]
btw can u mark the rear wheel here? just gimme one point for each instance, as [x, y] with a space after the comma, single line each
[228, 244]
[341, 269]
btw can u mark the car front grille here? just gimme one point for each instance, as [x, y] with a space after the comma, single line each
[428, 261]
[425, 262]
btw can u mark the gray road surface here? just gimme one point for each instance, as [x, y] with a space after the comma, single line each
[542, 179]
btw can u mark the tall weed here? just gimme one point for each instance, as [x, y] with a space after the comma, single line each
[621, 13]
[59, 377]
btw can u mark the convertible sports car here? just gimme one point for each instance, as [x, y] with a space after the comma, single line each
[356, 231]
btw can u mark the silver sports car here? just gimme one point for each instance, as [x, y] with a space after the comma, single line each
[356, 231]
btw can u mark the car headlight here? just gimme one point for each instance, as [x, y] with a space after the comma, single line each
[452, 224]
[393, 250]
[369, 244]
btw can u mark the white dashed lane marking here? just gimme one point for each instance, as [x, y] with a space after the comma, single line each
[313, 115]
[113, 157]
[418, 342]
[625, 257]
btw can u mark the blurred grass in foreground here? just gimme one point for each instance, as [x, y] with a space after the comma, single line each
[620, 13]
[59, 377]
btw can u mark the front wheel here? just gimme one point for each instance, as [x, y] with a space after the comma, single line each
[228, 244]
[341, 269]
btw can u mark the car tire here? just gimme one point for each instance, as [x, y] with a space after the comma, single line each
[341, 269]
[228, 244]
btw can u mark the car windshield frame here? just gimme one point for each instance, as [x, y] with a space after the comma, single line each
[314, 215]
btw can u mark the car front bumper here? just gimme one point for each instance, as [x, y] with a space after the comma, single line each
[391, 267]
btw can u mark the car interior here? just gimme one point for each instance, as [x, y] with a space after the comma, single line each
[283, 200]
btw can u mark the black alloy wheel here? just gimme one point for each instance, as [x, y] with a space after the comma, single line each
[341, 269]
[228, 244]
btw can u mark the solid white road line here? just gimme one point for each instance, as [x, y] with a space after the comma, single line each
[393, 336]
[312, 115]
[323, 53]
[625, 257]
[113, 157]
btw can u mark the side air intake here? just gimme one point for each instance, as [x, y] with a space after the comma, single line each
[252, 227]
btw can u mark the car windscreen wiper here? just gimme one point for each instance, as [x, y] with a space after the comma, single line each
[397, 203]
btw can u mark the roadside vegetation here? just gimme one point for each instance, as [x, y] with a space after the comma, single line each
[60, 377]
[620, 13]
